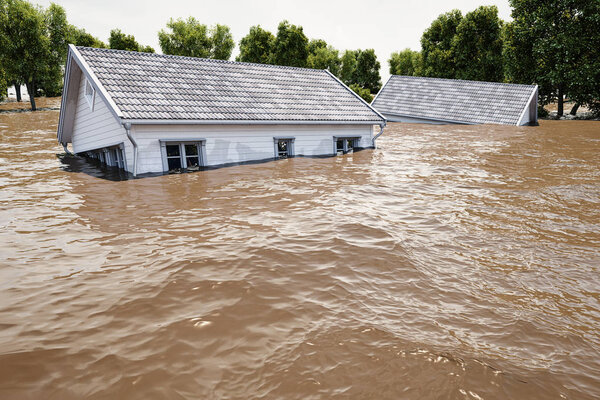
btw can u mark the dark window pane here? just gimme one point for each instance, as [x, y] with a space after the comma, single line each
[283, 148]
[191, 150]
[350, 144]
[174, 163]
[340, 145]
[172, 150]
[192, 162]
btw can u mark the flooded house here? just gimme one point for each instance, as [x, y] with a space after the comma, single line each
[452, 101]
[152, 113]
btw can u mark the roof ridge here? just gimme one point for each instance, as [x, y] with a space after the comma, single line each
[461, 80]
[199, 58]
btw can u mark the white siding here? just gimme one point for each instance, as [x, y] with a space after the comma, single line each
[238, 143]
[98, 128]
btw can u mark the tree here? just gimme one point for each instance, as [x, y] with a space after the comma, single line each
[222, 43]
[3, 85]
[556, 44]
[192, 39]
[120, 41]
[316, 44]
[256, 46]
[365, 94]
[406, 62]
[23, 44]
[325, 58]
[348, 68]
[477, 46]
[366, 74]
[437, 46]
[57, 31]
[79, 37]
[290, 46]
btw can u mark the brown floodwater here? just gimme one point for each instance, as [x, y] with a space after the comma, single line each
[451, 262]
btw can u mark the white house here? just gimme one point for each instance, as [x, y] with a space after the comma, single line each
[149, 113]
[454, 101]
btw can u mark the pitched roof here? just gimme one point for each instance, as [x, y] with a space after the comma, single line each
[454, 100]
[163, 87]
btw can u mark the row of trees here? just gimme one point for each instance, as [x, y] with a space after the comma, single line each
[554, 44]
[33, 48]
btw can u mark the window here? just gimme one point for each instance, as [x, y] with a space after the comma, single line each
[345, 145]
[178, 156]
[89, 93]
[112, 156]
[284, 147]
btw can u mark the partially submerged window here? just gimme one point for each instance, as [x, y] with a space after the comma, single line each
[182, 156]
[284, 147]
[112, 156]
[89, 93]
[345, 145]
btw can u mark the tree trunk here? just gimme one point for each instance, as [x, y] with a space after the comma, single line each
[18, 91]
[560, 102]
[574, 109]
[31, 91]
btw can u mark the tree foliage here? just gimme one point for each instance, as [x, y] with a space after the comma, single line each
[365, 94]
[555, 43]
[192, 39]
[437, 46]
[121, 41]
[477, 46]
[79, 37]
[348, 67]
[290, 46]
[406, 62]
[366, 74]
[24, 44]
[323, 56]
[57, 31]
[256, 46]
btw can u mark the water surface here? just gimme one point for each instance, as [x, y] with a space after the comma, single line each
[451, 262]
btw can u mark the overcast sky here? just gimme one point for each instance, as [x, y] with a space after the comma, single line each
[384, 25]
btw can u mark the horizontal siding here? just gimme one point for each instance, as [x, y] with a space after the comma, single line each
[99, 128]
[239, 143]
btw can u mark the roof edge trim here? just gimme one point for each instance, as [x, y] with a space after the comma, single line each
[534, 92]
[381, 90]
[245, 122]
[63, 100]
[450, 121]
[92, 76]
[356, 95]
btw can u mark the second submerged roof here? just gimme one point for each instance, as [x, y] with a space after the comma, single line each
[162, 87]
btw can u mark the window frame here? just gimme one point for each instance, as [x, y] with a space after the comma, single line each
[90, 97]
[345, 150]
[200, 145]
[291, 150]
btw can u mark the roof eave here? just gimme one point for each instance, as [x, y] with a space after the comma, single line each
[246, 122]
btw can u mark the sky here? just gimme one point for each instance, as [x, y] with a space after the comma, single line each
[383, 25]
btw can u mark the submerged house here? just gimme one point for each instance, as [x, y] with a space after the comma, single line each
[149, 113]
[451, 101]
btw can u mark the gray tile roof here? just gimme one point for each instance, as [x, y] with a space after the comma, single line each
[155, 86]
[453, 100]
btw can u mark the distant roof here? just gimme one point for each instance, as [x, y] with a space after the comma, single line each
[163, 87]
[454, 100]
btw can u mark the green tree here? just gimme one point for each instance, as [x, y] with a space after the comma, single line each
[555, 44]
[221, 41]
[192, 39]
[348, 67]
[316, 44]
[366, 74]
[362, 92]
[121, 41]
[437, 46]
[3, 85]
[290, 46]
[79, 37]
[23, 44]
[256, 46]
[478, 46]
[406, 62]
[57, 31]
[325, 58]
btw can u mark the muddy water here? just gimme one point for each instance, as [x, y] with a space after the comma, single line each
[452, 262]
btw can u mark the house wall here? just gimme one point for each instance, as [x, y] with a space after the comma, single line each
[98, 128]
[238, 143]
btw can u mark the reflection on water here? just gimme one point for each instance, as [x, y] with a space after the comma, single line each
[453, 261]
